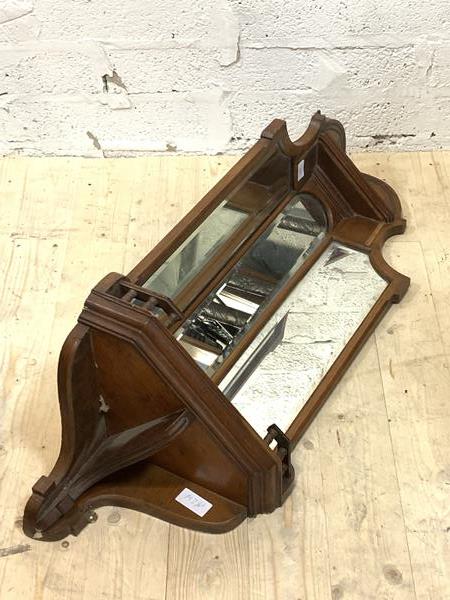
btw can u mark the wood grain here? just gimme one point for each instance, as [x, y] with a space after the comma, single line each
[369, 516]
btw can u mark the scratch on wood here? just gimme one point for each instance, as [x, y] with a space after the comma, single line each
[390, 368]
[15, 549]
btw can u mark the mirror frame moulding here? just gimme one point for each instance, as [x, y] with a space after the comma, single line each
[141, 421]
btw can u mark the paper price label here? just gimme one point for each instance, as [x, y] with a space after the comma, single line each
[194, 502]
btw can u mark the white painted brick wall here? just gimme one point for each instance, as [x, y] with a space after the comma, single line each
[93, 77]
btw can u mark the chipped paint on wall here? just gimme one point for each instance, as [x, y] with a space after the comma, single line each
[225, 32]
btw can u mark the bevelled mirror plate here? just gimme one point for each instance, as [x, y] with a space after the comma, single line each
[231, 222]
[230, 310]
[272, 380]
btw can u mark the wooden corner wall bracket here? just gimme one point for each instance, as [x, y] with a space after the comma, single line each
[152, 380]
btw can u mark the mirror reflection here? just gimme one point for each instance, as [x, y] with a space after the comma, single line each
[181, 266]
[274, 377]
[229, 311]
[230, 223]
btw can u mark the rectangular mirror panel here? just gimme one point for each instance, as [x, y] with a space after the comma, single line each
[274, 377]
[232, 221]
[221, 321]
[199, 247]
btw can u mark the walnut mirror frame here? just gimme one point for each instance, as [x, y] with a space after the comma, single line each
[186, 384]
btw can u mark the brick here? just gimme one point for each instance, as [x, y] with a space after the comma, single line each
[165, 70]
[275, 22]
[60, 125]
[43, 68]
[317, 68]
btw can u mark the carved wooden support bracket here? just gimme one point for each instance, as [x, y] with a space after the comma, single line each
[105, 454]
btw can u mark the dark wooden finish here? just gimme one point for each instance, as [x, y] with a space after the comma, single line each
[140, 420]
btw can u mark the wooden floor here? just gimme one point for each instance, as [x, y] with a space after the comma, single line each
[370, 515]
